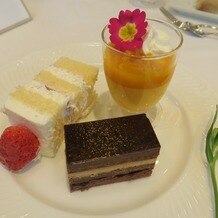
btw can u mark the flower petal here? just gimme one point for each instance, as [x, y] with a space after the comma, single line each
[141, 30]
[125, 17]
[115, 39]
[135, 13]
[114, 21]
[131, 46]
[114, 26]
[128, 46]
[123, 26]
[139, 18]
[138, 43]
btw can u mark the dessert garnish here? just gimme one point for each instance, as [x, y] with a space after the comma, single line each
[212, 156]
[18, 147]
[128, 30]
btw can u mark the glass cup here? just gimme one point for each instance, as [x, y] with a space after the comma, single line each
[137, 80]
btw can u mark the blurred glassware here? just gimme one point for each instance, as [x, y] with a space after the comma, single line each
[148, 3]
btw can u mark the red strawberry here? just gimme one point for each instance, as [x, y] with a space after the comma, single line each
[18, 146]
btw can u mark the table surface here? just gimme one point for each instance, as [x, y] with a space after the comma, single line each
[56, 23]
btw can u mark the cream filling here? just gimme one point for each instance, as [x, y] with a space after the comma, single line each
[68, 76]
[41, 89]
[108, 169]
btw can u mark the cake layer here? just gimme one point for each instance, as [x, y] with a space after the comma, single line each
[87, 72]
[66, 102]
[108, 142]
[110, 180]
[108, 169]
[41, 89]
[85, 178]
[35, 100]
[55, 83]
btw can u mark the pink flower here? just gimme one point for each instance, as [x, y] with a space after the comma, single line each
[128, 30]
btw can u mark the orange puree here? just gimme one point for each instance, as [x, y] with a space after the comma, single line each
[136, 83]
[135, 72]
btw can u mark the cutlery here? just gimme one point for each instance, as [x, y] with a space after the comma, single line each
[203, 30]
[200, 30]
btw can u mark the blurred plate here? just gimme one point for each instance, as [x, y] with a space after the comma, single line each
[188, 8]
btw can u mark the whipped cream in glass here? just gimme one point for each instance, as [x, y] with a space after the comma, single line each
[156, 42]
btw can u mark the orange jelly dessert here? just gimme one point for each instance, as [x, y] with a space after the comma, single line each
[136, 80]
[139, 56]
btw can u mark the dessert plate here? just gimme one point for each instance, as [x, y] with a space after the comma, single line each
[179, 185]
[188, 8]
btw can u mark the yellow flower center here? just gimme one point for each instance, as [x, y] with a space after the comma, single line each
[128, 32]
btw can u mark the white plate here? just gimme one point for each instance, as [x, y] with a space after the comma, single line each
[188, 8]
[179, 185]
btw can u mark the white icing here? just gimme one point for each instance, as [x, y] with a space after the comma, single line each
[39, 123]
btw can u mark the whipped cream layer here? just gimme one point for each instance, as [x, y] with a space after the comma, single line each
[156, 42]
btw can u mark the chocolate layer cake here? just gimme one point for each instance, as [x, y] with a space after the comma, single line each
[109, 151]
